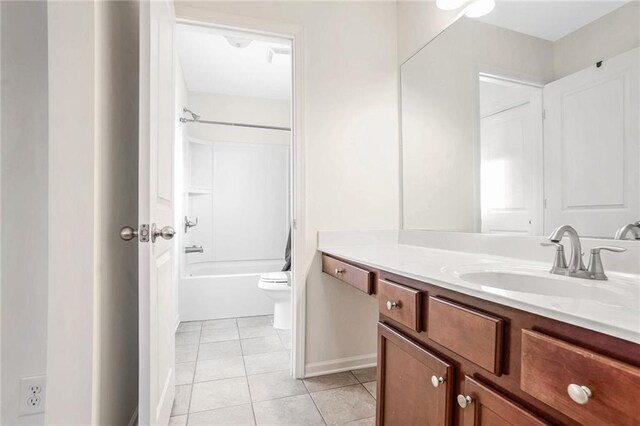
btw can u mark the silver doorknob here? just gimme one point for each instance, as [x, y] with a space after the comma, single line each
[391, 305]
[127, 233]
[579, 394]
[464, 400]
[437, 381]
[167, 232]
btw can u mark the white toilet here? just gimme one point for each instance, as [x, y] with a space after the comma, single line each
[278, 288]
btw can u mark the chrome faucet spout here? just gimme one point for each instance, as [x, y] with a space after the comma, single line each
[575, 262]
[630, 229]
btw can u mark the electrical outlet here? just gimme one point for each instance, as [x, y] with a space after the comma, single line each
[32, 395]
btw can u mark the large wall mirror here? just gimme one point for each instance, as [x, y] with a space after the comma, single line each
[524, 120]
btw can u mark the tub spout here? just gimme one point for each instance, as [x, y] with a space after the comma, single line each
[193, 249]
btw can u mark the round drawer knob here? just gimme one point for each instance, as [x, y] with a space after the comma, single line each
[464, 400]
[339, 271]
[579, 394]
[391, 304]
[437, 381]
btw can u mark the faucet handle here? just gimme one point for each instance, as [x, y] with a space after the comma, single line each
[560, 262]
[595, 268]
[616, 249]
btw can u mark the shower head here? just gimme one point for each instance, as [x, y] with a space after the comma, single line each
[194, 116]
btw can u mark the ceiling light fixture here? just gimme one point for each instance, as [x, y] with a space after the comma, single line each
[479, 8]
[450, 4]
[472, 9]
[238, 42]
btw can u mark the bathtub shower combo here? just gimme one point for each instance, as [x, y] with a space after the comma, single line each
[236, 227]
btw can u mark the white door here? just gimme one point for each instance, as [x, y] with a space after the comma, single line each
[510, 157]
[592, 147]
[156, 207]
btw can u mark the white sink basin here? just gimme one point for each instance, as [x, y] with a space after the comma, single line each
[503, 280]
[522, 283]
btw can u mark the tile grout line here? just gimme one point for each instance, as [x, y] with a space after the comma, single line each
[314, 403]
[194, 375]
[246, 376]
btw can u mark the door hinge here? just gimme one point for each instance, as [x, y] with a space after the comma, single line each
[544, 114]
[544, 203]
[295, 224]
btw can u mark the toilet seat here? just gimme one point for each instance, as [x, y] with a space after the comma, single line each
[275, 277]
[274, 281]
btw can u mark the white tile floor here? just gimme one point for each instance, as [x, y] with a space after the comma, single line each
[236, 372]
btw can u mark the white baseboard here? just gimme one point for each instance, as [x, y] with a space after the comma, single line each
[134, 418]
[339, 365]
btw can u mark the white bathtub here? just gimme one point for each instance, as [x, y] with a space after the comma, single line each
[212, 290]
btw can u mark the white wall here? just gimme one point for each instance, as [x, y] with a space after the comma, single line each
[117, 134]
[611, 35]
[351, 148]
[24, 200]
[92, 361]
[72, 354]
[418, 23]
[239, 109]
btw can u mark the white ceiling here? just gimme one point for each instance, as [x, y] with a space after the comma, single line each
[211, 65]
[549, 20]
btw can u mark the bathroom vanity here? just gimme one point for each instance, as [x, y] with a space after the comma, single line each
[491, 342]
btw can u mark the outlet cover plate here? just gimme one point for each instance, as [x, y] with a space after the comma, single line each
[32, 395]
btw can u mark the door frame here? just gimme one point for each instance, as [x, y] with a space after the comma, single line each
[205, 18]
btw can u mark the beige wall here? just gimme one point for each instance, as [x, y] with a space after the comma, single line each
[611, 35]
[117, 132]
[418, 23]
[92, 335]
[24, 201]
[351, 148]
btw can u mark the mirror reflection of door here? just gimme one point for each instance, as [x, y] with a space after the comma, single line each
[592, 147]
[510, 157]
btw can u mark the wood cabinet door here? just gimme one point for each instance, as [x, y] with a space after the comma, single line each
[486, 407]
[414, 385]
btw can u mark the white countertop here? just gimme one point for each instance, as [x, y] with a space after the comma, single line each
[610, 307]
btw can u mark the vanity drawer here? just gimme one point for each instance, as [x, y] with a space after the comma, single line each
[400, 303]
[357, 277]
[474, 335]
[549, 366]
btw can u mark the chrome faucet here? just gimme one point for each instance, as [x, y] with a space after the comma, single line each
[632, 229]
[193, 249]
[575, 262]
[576, 268]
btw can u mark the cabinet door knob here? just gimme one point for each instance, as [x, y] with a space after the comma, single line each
[339, 271]
[464, 400]
[437, 381]
[391, 304]
[579, 394]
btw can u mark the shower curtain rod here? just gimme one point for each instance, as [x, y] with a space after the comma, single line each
[226, 123]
